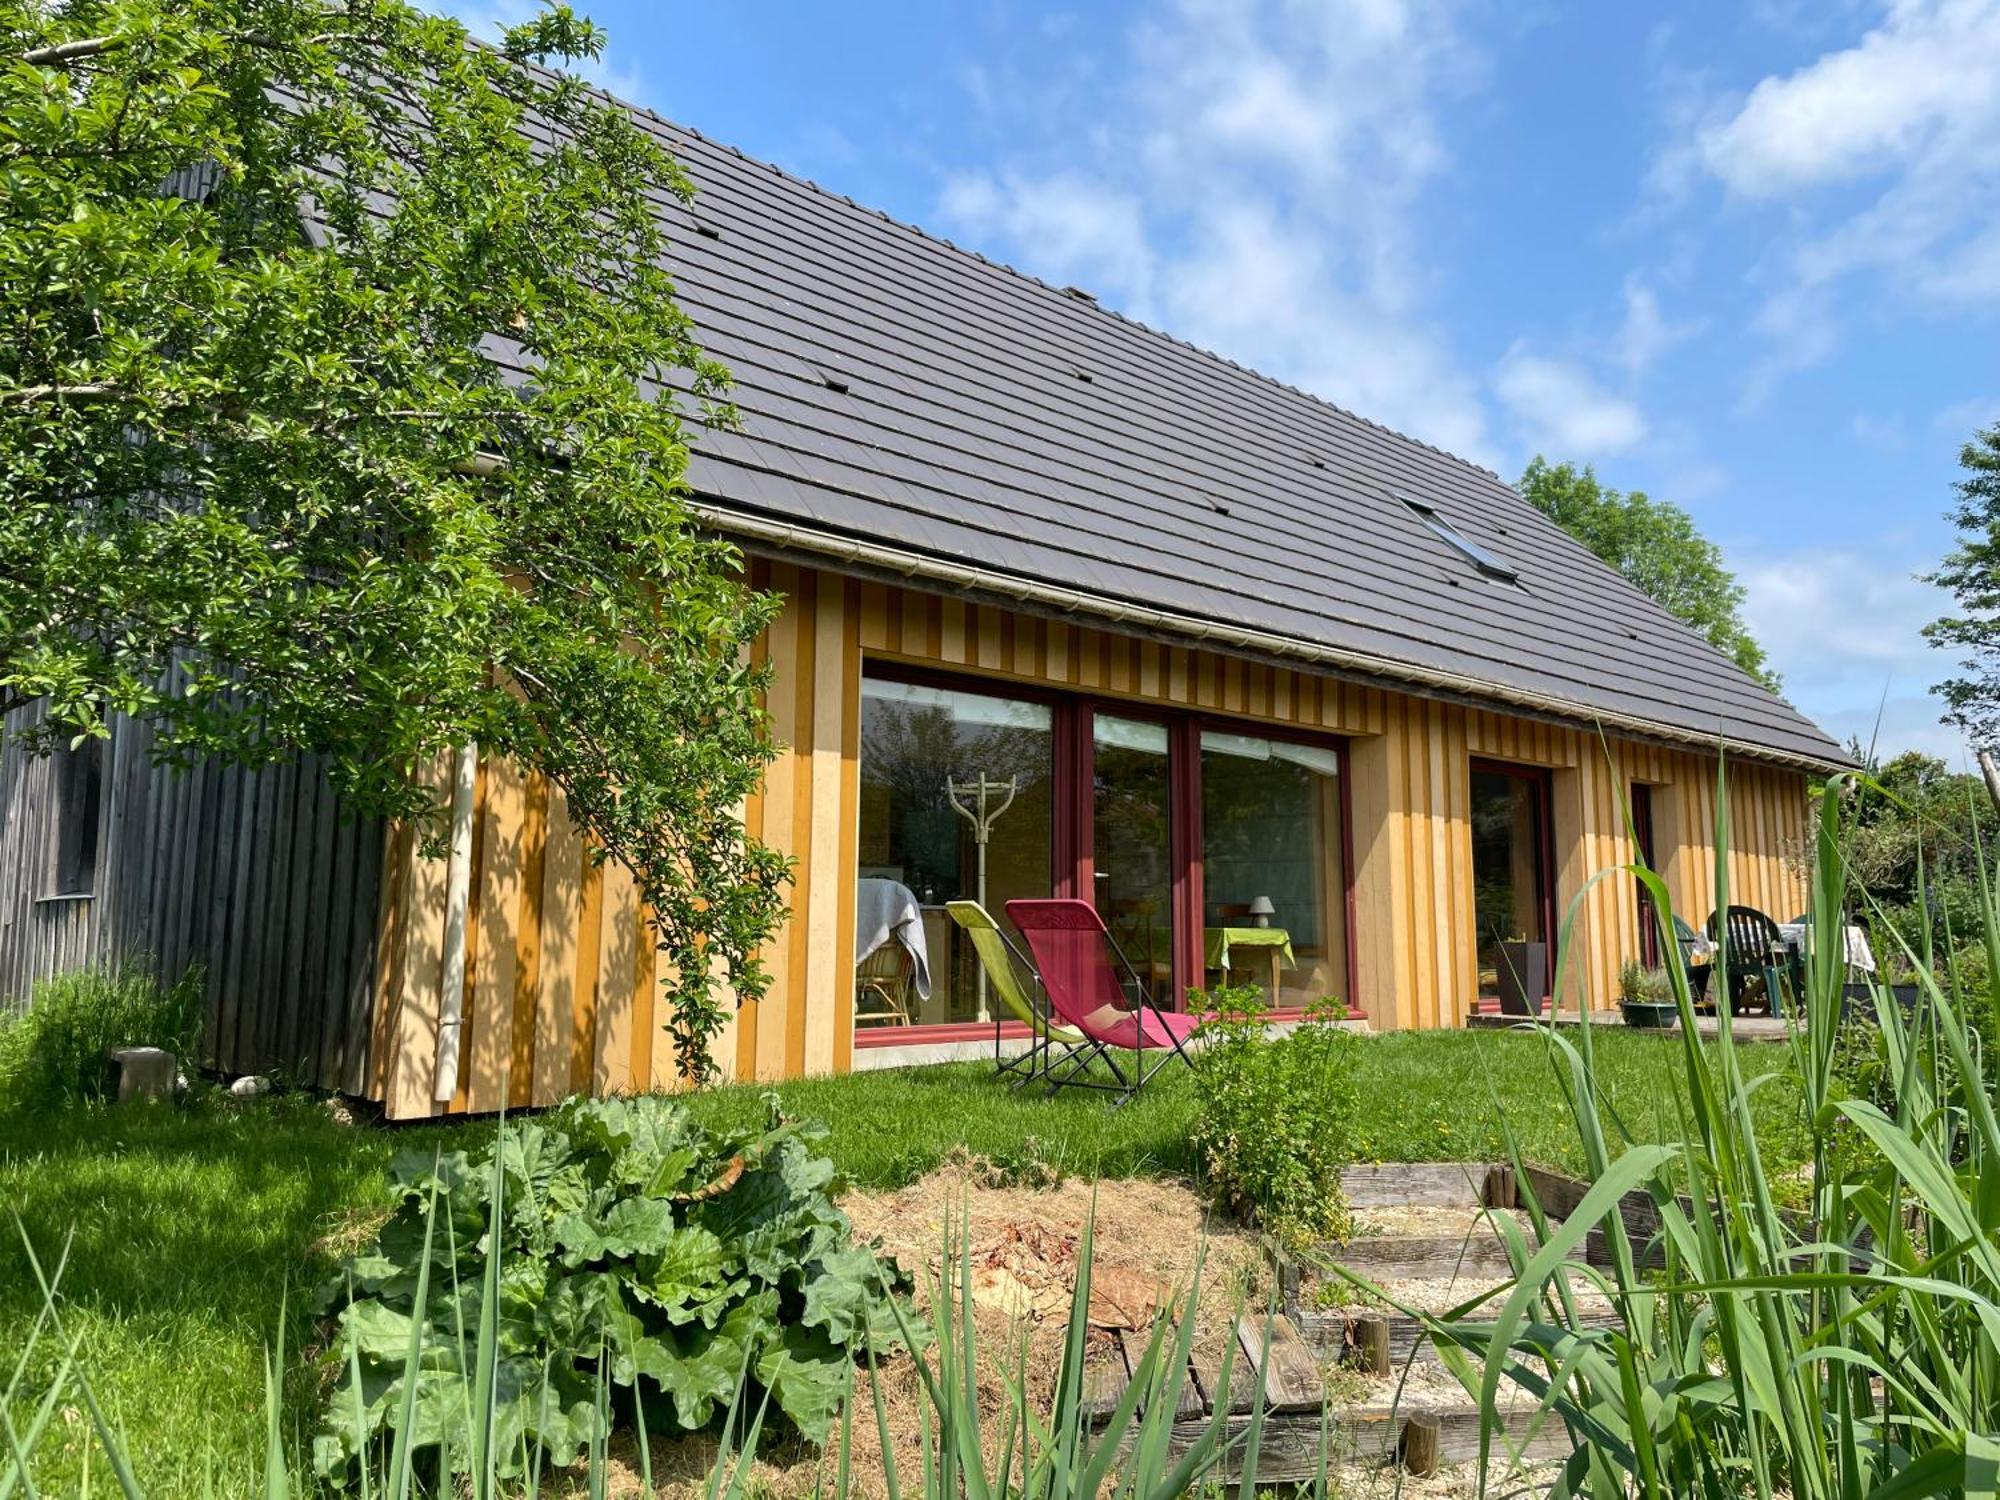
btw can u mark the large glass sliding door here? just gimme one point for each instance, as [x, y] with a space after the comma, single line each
[1272, 866]
[1511, 891]
[1133, 853]
[957, 801]
[1213, 855]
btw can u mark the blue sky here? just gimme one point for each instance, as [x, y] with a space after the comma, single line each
[1743, 257]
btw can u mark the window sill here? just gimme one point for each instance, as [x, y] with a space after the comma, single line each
[66, 898]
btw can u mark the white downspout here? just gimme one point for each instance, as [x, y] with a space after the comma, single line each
[457, 904]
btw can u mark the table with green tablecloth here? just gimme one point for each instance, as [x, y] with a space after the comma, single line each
[1218, 942]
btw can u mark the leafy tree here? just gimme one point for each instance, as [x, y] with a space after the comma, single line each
[1918, 844]
[1972, 573]
[262, 484]
[1654, 545]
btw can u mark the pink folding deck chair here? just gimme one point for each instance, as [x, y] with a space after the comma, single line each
[1075, 952]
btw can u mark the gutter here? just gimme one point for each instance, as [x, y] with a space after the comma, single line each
[904, 563]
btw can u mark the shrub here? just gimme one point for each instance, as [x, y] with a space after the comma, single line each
[55, 1051]
[1274, 1120]
[628, 1245]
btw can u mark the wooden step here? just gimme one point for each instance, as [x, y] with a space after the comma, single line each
[1288, 1452]
[1330, 1334]
[1419, 1184]
[1479, 1255]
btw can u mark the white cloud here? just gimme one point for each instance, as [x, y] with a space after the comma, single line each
[1646, 335]
[1915, 85]
[1963, 418]
[1562, 411]
[1097, 235]
[1251, 188]
[1843, 626]
[1885, 157]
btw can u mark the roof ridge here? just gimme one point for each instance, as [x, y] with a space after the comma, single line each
[1091, 303]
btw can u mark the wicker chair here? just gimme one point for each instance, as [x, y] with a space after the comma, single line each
[882, 986]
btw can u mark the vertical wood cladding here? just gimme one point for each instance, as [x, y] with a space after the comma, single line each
[261, 878]
[560, 988]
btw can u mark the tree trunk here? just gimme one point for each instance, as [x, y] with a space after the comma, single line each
[1989, 767]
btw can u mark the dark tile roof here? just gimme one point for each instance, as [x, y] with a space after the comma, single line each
[893, 386]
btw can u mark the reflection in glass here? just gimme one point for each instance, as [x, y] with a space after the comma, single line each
[1270, 832]
[914, 739]
[1132, 845]
[1508, 880]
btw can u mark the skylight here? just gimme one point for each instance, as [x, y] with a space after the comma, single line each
[1489, 563]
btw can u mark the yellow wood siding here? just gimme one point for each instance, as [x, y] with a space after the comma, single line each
[561, 989]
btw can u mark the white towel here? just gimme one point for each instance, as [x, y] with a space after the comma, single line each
[885, 909]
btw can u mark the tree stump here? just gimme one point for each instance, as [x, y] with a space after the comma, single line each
[1371, 1344]
[1420, 1444]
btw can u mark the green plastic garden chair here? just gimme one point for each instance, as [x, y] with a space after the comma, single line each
[998, 957]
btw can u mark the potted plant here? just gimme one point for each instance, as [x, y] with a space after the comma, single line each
[1523, 971]
[1646, 996]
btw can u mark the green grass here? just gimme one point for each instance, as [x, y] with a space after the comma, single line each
[186, 1230]
[191, 1224]
[1425, 1096]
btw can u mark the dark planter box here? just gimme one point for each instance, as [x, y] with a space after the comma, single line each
[1650, 1015]
[1857, 1000]
[1524, 971]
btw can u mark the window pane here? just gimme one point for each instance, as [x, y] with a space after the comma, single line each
[79, 782]
[1270, 827]
[1507, 875]
[919, 745]
[1132, 845]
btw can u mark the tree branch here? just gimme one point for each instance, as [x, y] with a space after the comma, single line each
[61, 54]
[68, 52]
[97, 391]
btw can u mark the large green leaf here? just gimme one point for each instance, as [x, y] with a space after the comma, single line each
[610, 1267]
[809, 1376]
[844, 1297]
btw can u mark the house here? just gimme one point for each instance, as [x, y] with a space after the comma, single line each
[1181, 640]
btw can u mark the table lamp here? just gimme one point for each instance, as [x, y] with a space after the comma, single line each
[1261, 911]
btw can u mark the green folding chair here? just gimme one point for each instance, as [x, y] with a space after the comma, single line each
[998, 956]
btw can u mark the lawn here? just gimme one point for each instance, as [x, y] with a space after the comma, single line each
[188, 1228]
[1425, 1096]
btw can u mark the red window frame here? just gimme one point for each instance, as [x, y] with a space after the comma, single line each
[1542, 781]
[1072, 872]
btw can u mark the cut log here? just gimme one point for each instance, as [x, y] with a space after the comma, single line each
[1420, 1444]
[1369, 1336]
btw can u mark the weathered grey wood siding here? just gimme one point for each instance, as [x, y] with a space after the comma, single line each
[254, 875]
